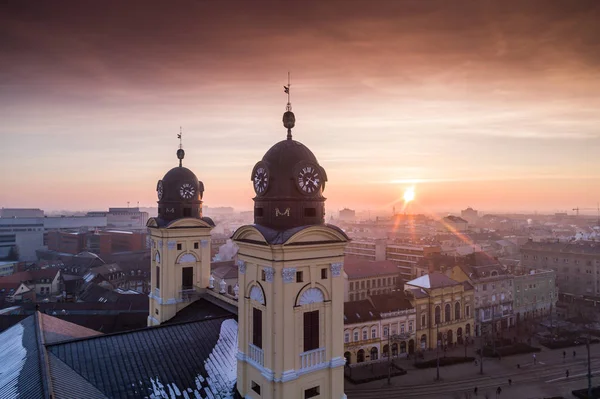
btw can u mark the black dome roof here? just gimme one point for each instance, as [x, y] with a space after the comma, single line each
[180, 194]
[282, 160]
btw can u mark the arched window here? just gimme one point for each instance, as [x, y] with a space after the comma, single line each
[373, 333]
[386, 351]
[403, 347]
[373, 353]
[394, 349]
[447, 312]
[457, 311]
[438, 315]
[360, 356]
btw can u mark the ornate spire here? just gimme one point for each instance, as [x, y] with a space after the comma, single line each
[289, 120]
[180, 152]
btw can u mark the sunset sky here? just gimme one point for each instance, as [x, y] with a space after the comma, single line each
[492, 104]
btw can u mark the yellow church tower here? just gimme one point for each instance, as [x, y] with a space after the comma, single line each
[180, 243]
[291, 306]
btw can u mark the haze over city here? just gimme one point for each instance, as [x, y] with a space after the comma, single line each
[489, 104]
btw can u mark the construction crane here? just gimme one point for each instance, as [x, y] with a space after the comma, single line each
[589, 209]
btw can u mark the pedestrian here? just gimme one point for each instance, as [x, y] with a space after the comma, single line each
[567, 373]
[564, 355]
[509, 381]
[534, 359]
[498, 391]
[574, 354]
[475, 391]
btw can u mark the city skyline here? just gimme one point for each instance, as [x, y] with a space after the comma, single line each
[483, 104]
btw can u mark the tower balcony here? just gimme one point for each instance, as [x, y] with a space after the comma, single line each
[313, 358]
[256, 355]
[189, 294]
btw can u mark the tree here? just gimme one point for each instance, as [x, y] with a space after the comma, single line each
[13, 254]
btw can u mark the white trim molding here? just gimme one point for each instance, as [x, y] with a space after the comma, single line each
[337, 362]
[157, 298]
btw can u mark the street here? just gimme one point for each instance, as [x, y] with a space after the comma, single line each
[546, 378]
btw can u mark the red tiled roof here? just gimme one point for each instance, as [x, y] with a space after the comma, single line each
[31, 275]
[56, 330]
[361, 268]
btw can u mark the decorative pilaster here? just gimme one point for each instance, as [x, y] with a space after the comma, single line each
[269, 273]
[336, 269]
[288, 274]
[241, 266]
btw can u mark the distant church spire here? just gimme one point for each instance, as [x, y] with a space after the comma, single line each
[289, 120]
[180, 152]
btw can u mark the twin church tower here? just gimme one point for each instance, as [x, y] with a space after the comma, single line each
[290, 272]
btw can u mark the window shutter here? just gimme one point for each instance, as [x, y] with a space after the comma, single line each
[311, 330]
[257, 327]
[307, 331]
[315, 329]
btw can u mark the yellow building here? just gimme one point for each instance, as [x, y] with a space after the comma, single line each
[444, 309]
[378, 327]
[180, 241]
[291, 288]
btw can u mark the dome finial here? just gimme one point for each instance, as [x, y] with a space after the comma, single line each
[180, 152]
[289, 120]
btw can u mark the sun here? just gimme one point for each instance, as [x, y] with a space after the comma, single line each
[409, 194]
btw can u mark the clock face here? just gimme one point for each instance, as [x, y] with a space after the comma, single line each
[309, 179]
[159, 189]
[187, 190]
[260, 179]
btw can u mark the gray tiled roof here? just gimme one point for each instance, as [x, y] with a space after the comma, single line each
[275, 237]
[197, 357]
[20, 373]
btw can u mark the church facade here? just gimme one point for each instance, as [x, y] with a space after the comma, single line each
[290, 296]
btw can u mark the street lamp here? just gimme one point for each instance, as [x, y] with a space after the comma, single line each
[391, 339]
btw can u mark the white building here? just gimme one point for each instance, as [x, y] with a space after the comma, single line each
[124, 218]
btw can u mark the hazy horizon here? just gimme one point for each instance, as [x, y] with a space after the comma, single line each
[492, 105]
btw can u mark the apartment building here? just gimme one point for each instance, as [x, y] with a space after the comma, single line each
[366, 278]
[493, 286]
[535, 294]
[576, 264]
[408, 256]
[378, 327]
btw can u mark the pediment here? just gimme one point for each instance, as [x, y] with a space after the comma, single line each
[248, 233]
[188, 222]
[315, 234]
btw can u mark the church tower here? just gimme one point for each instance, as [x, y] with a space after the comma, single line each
[291, 306]
[180, 242]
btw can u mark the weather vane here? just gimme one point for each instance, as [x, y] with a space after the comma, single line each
[180, 152]
[286, 89]
[289, 120]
